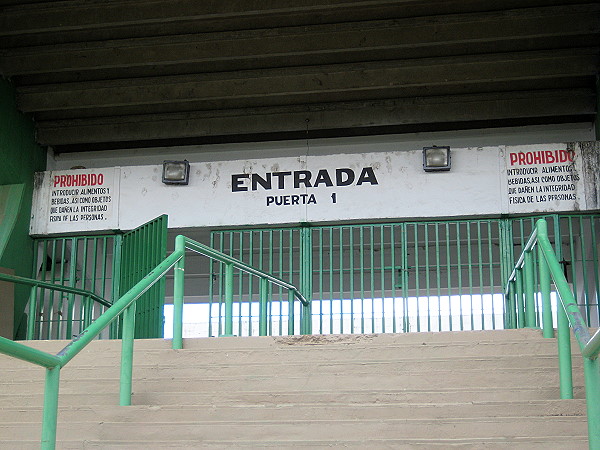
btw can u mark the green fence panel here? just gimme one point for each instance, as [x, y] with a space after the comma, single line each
[143, 249]
[83, 262]
[409, 276]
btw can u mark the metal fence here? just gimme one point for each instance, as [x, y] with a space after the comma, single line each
[395, 277]
[411, 276]
[84, 262]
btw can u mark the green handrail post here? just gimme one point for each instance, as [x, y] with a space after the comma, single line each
[544, 279]
[228, 299]
[262, 307]
[50, 411]
[530, 317]
[32, 312]
[127, 341]
[178, 293]
[510, 307]
[565, 363]
[520, 302]
[306, 320]
[591, 368]
[291, 298]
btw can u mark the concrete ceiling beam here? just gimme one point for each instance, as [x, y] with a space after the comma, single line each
[310, 85]
[557, 27]
[331, 116]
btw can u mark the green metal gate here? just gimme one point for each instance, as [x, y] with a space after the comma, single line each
[105, 265]
[142, 250]
[83, 262]
[410, 276]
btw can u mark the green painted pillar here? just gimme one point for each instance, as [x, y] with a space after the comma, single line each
[306, 277]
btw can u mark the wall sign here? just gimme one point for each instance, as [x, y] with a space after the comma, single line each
[543, 178]
[75, 200]
[320, 188]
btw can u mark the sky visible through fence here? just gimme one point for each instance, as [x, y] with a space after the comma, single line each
[444, 313]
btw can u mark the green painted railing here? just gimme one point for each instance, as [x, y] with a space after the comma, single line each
[182, 243]
[125, 305]
[521, 309]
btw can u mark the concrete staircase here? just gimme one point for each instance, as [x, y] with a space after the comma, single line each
[492, 390]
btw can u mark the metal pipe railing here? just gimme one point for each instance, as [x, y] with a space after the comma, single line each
[568, 315]
[126, 305]
[183, 243]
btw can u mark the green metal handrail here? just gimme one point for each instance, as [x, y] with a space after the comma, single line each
[126, 305]
[35, 284]
[54, 363]
[182, 243]
[521, 283]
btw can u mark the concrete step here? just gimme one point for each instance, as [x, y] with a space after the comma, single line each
[324, 430]
[502, 443]
[418, 390]
[274, 382]
[298, 396]
[316, 411]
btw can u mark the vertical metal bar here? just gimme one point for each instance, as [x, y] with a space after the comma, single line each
[229, 299]
[331, 281]
[417, 275]
[529, 291]
[125, 385]
[211, 281]
[32, 308]
[491, 269]
[520, 302]
[51, 301]
[584, 273]
[564, 353]
[263, 292]
[544, 279]
[361, 254]
[480, 267]
[72, 283]
[382, 274]
[573, 260]
[291, 314]
[250, 280]
[351, 280]
[40, 315]
[60, 309]
[372, 273]
[459, 276]
[341, 258]
[449, 276]
[595, 260]
[591, 368]
[241, 291]
[178, 294]
[31, 317]
[320, 261]
[50, 412]
[438, 274]
[427, 282]
[470, 263]
[511, 307]
[291, 265]
[306, 274]
[404, 278]
[221, 285]
[104, 264]
[393, 280]
[84, 304]
[116, 278]
[280, 274]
